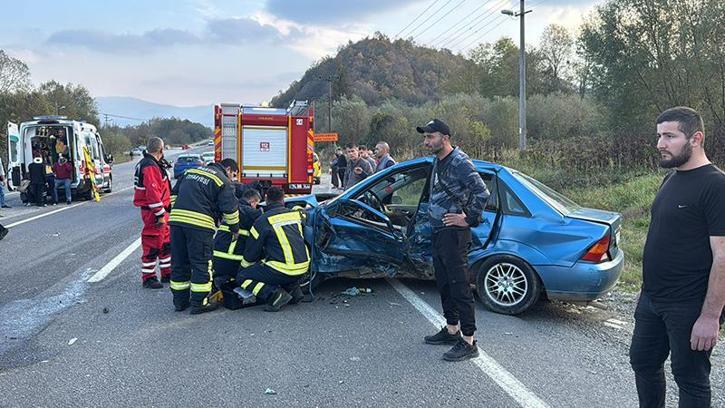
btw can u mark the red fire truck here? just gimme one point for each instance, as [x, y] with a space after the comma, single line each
[272, 146]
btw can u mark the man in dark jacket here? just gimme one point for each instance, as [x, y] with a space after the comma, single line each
[197, 200]
[36, 171]
[357, 167]
[458, 197]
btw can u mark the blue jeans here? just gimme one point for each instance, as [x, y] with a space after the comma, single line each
[2, 193]
[66, 186]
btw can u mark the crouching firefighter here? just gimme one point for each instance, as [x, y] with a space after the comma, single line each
[152, 192]
[275, 257]
[197, 198]
[228, 253]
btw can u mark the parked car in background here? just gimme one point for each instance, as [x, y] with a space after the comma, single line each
[208, 157]
[187, 161]
[185, 147]
[210, 143]
[533, 242]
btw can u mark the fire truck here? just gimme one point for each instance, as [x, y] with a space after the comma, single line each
[274, 147]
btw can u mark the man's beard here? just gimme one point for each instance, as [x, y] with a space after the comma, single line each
[679, 160]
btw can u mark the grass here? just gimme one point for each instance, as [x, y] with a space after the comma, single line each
[633, 199]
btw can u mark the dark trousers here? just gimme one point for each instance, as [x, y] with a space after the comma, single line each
[225, 269]
[341, 175]
[335, 177]
[38, 193]
[450, 261]
[263, 281]
[663, 329]
[191, 253]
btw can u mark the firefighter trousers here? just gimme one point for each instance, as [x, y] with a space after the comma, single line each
[156, 246]
[191, 254]
[263, 281]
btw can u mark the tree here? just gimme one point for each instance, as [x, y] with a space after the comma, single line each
[555, 49]
[14, 74]
[351, 119]
[73, 101]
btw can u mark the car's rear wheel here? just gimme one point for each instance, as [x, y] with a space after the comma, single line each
[507, 285]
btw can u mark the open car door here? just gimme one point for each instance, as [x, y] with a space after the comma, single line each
[15, 156]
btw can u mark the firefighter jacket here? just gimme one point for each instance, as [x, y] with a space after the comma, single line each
[204, 197]
[224, 246]
[152, 188]
[276, 240]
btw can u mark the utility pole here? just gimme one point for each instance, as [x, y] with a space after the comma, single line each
[329, 80]
[522, 73]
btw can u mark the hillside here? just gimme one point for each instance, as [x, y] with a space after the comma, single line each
[138, 108]
[376, 69]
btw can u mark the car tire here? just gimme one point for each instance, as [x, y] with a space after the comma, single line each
[507, 285]
[110, 185]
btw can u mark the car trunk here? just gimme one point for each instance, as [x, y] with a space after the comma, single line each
[612, 219]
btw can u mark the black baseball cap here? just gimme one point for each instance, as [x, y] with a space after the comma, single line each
[434, 125]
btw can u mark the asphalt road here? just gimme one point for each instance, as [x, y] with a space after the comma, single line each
[65, 341]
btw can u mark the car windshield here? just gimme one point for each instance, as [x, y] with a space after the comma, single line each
[188, 159]
[555, 199]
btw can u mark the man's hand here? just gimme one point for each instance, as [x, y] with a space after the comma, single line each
[358, 170]
[455, 220]
[705, 333]
[161, 221]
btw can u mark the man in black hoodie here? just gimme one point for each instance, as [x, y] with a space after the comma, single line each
[36, 171]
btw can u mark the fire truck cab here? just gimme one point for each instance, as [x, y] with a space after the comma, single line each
[272, 146]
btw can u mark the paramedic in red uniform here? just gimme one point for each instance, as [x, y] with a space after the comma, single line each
[152, 192]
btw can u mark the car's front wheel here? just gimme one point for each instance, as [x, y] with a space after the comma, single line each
[507, 285]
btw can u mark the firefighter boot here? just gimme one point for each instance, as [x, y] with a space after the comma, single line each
[297, 295]
[278, 299]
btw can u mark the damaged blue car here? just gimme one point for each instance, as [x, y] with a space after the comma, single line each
[533, 242]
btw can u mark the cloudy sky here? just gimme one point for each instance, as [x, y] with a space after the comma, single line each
[197, 52]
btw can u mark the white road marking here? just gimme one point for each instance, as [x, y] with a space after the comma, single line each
[510, 384]
[617, 322]
[61, 209]
[613, 326]
[109, 267]
[44, 215]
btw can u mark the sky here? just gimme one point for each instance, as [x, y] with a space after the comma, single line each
[200, 52]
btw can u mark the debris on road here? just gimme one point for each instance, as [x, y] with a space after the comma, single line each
[73, 340]
[354, 291]
[105, 310]
[270, 391]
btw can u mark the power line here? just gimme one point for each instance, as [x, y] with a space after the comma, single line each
[429, 17]
[440, 18]
[477, 39]
[464, 20]
[480, 25]
[416, 18]
[121, 117]
[467, 37]
[460, 31]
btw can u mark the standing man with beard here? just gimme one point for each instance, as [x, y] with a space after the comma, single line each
[680, 307]
[458, 196]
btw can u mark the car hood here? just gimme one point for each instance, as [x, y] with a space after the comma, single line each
[312, 200]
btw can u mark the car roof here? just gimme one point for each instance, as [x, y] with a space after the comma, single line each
[480, 164]
[193, 155]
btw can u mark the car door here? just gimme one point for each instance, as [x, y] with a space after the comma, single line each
[15, 156]
[356, 231]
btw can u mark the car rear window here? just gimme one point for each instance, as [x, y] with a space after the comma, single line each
[188, 159]
[555, 199]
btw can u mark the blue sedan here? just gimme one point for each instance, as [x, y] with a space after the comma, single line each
[185, 162]
[533, 241]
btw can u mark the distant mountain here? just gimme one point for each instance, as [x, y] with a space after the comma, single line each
[144, 110]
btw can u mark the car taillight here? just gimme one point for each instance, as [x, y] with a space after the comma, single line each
[310, 167]
[599, 252]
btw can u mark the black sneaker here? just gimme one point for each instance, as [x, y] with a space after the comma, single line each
[443, 337]
[278, 300]
[462, 351]
[209, 307]
[297, 295]
[165, 279]
[152, 283]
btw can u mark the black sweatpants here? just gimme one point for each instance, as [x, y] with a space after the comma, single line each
[38, 193]
[263, 281]
[191, 254]
[450, 260]
[663, 329]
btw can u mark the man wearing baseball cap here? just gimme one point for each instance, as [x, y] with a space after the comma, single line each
[458, 197]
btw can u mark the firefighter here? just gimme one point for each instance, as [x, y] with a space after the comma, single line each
[198, 198]
[152, 192]
[229, 253]
[275, 257]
